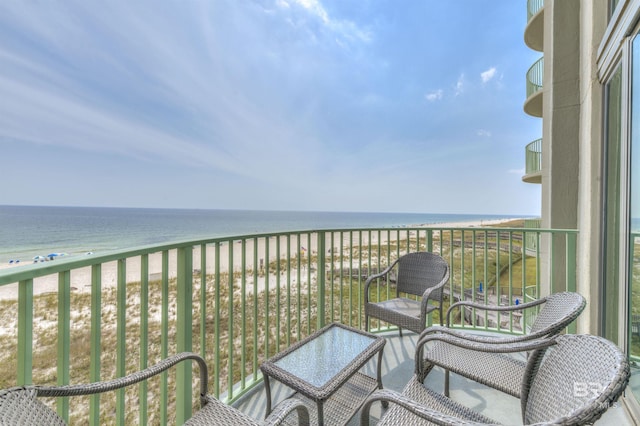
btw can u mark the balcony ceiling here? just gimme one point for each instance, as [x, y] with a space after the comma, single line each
[533, 177]
[534, 32]
[533, 104]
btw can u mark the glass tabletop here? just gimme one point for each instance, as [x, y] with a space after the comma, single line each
[322, 358]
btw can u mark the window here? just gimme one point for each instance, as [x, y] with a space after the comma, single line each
[610, 291]
[612, 7]
[634, 214]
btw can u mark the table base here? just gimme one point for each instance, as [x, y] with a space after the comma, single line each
[343, 404]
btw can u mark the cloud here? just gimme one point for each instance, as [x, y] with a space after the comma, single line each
[459, 87]
[344, 28]
[436, 95]
[483, 133]
[519, 172]
[487, 75]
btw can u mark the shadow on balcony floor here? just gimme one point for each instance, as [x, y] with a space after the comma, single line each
[397, 369]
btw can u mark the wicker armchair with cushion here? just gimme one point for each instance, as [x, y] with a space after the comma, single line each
[20, 406]
[421, 274]
[573, 383]
[501, 371]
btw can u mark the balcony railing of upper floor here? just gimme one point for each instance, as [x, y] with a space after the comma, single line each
[237, 301]
[534, 31]
[535, 78]
[533, 162]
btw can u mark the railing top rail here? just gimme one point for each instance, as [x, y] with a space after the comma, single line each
[36, 270]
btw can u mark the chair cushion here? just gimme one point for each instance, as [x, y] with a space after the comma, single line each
[417, 392]
[500, 371]
[216, 412]
[19, 406]
[402, 312]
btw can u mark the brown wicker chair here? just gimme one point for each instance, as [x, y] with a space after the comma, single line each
[498, 370]
[20, 406]
[559, 387]
[421, 274]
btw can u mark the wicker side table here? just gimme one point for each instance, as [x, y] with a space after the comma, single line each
[324, 370]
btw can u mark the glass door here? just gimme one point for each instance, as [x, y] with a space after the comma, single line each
[633, 235]
[610, 291]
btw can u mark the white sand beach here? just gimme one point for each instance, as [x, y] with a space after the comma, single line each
[81, 278]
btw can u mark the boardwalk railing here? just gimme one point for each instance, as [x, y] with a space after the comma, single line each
[237, 301]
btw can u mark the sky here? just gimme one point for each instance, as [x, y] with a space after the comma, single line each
[320, 105]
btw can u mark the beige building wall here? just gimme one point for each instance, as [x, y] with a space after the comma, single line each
[572, 134]
[593, 17]
[560, 131]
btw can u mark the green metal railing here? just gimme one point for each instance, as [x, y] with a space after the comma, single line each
[238, 301]
[533, 7]
[531, 239]
[533, 157]
[535, 77]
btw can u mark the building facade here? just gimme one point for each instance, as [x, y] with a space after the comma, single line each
[586, 90]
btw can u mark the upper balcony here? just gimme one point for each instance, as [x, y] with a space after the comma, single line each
[240, 300]
[535, 78]
[534, 31]
[533, 162]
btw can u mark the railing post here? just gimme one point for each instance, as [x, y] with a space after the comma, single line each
[571, 269]
[321, 279]
[96, 319]
[64, 339]
[183, 333]
[121, 337]
[25, 332]
[144, 335]
[164, 337]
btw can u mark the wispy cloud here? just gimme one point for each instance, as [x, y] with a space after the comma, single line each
[436, 95]
[341, 27]
[459, 87]
[488, 75]
[274, 101]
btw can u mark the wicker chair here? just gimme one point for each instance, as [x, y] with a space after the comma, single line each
[500, 371]
[422, 274]
[574, 383]
[20, 406]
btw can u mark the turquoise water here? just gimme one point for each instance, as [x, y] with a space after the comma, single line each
[28, 231]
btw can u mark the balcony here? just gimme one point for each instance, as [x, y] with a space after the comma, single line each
[535, 75]
[534, 31]
[533, 162]
[237, 301]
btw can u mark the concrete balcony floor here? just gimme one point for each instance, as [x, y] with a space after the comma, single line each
[397, 369]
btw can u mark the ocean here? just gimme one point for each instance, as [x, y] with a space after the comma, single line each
[28, 231]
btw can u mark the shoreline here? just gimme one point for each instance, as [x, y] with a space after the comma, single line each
[81, 278]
